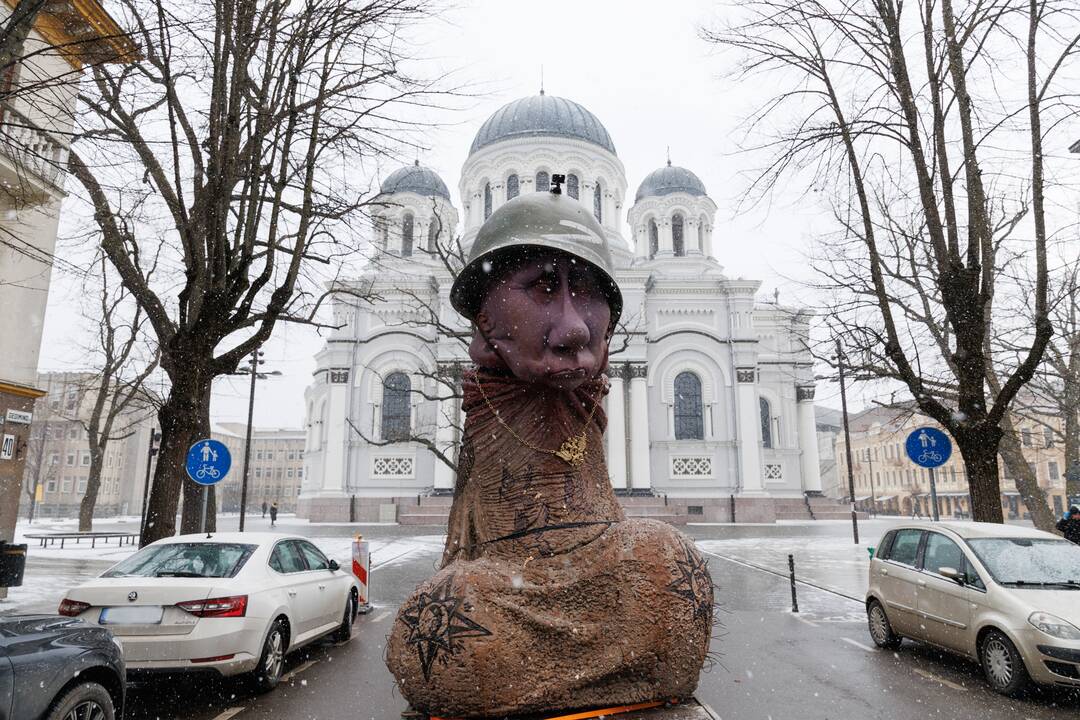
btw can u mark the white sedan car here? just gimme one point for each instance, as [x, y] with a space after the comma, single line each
[232, 603]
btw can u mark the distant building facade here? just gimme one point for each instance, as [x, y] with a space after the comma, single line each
[712, 388]
[58, 453]
[276, 467]
[888, 482]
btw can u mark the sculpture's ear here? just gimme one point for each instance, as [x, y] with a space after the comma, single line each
[480, 350]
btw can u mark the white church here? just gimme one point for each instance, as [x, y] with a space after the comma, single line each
[711, 409]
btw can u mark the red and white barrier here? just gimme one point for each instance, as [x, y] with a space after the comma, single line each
[361, 568]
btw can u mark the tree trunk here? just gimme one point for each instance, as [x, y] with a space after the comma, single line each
[978, 446]
[1027, 483]
[183, 418]
[93, 483]
[1070, 405]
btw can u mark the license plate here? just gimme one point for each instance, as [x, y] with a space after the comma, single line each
[137, 615]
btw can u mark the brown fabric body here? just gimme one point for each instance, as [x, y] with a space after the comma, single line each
[548, 598]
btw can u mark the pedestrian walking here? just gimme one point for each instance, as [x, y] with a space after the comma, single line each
[273, 514]
[264, 508]
[1069, 525]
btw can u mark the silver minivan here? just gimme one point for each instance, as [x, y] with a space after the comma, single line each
[1005, 596]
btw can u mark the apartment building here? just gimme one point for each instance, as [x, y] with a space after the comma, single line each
[887, 482]
[276, 467]
[58, 452]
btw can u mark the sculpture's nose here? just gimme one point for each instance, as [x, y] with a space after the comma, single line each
[569, 332]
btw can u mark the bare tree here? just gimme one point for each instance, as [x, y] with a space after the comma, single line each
[118, 387]
[39, 468]
[901, 114]
[229, 153]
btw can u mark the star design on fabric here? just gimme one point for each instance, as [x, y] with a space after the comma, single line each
[692, 581]
[437, 623]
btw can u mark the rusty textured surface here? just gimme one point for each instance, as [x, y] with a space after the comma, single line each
[548, 598]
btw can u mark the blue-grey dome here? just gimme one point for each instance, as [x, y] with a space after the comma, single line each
[415, 179]
[541, 115]
[670, 179]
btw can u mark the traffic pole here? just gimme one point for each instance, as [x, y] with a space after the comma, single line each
[791, 575]
[847, 443]
[361, 568]
[205, 503]
[933, 494]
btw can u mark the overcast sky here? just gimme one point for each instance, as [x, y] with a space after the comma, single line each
[641, 69]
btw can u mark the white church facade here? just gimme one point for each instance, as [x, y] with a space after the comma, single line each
[711, 409]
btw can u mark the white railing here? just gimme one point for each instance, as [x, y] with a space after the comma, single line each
[29, 147]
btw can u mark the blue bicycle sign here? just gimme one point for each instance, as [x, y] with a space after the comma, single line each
[928, 447]
[208, 461]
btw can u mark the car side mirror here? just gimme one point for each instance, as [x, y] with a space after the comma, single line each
[334, 565]
[953, 574]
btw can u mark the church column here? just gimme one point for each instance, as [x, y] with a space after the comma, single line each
[639, 428]
[616, 428]
[337, 440]
[749, 413]
[446, 425]
[809, 462]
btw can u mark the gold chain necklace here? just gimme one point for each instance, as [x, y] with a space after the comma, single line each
[572, 449]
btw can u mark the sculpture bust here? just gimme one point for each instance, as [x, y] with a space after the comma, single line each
[548, 598]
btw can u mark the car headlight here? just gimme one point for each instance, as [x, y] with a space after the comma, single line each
[1054, 626]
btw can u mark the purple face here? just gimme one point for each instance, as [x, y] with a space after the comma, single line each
[546, 321]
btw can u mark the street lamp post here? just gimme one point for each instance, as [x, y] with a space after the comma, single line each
[256, 360]
[873, 494]
[847, 443]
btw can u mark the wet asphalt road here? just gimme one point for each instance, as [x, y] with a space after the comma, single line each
[769, 663]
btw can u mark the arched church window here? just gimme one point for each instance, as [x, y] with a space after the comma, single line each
[382, 232]
[487, 200]
[433, 234]
[701, 235]
[573, 186]
[766, 423]
[678, 242]
[512, 187]
[597, 198]
[543, 181]
[654, 239]
[396, 408]
[689, 423]
[407, 235]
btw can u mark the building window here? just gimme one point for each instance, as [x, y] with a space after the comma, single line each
[258, 455]
[1052, 470]
[433, 235]
[269, 454]
[543, 181]
[654, 239]
[299, 472]
[258, 472]
[1025, 436]
[597, 202]
[407, 235]
[396, 408]
[487, 200]
[382, 232]
[80, 487]
[72, 397]
[65, 486]
[71, 459]
[1048, 437]
[512, 188]
[573, 186]
[291, 455]
[678, 242]
[689, 423]
[766, 423]
[289, 473]
[54, 459]
[50, 485]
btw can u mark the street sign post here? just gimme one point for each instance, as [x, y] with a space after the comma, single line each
[929, 448]
[208, 462]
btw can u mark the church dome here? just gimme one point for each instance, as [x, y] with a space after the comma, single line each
[542, 115]
[415, 179]
[668, 180]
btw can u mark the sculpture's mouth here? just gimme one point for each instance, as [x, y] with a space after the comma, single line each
[572, 374]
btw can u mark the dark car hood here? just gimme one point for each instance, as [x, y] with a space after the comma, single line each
[14, 627]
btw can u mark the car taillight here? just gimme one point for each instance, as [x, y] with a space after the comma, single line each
[72, 608]
[235, 606]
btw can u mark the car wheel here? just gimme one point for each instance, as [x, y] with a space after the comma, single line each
[88, 701]
[1002, 665]
[267, 674]
[880, 629]
[344, 631]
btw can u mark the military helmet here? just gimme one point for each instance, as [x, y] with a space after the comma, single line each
[536, 220]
